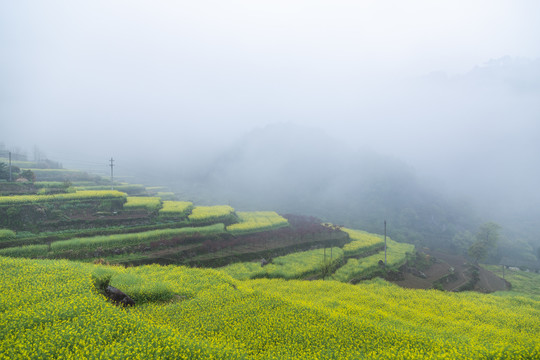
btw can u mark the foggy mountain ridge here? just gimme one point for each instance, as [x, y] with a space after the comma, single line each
[520, 75]
[292, 169]
[173, 90]
[479, 132]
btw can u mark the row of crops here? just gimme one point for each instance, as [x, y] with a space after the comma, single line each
[210, 220]
[147, 203]
[132, 189]
[64, 174]
[292, 266]
[171, 219]
[257, 221]
[239, 223]
[396, 254]
[56, 248]
[362, 242]
[51, 309]
[247, 222]
[176, 209]
[205, 214]
[333, 261]
[76, 196]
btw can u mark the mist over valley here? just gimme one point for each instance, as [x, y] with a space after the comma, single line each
[285, 179]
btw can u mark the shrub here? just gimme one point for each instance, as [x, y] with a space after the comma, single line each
[7, 235]
[101, 282]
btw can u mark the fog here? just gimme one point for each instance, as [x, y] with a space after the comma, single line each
[446, 91]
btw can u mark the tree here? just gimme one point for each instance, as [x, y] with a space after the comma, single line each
[463, 240]
[4, 171]
[486, 239]
[28, 175]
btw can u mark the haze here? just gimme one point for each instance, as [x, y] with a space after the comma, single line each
[449, 87]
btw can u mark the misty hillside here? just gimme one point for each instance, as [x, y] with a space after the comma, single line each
[295, 169]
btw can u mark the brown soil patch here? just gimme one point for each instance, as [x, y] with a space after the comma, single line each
[444, 265]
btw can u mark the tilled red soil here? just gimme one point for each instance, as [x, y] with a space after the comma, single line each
[488, 282]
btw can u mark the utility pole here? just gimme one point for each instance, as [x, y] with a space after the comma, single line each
[112, 178]
[10, 177]
[384, 242]
[324, 268]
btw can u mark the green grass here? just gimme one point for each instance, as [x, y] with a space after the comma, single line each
[522, 281]
[52, 184]
[28, 251]
[136, 283]
[7, 235]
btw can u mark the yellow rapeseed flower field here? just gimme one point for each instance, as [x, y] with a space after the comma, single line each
[51, 310]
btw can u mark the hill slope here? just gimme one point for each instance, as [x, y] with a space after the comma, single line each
[50, 309]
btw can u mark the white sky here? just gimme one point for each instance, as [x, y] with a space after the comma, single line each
[132, 75]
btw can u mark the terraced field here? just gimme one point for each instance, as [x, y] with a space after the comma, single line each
[255, 221]
[144, 229]
[257, 305]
